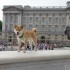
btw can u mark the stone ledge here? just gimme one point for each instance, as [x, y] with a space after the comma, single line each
[43, 55]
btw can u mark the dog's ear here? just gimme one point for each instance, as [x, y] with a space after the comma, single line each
[15, 26]
[22, 27]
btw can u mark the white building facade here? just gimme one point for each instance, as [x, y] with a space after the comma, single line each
[49, 21]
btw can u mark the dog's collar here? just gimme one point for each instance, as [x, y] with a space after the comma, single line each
[21, 36]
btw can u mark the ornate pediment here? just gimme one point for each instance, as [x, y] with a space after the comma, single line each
[12, 8]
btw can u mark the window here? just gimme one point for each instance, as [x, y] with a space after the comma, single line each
[63, 20]
[33, 20]
[60, 14]
[46, 20]
[47, 14]
[30, 20]
[56, 19]
[27, 20]
[49, 28]
[30, 27]
[40, 20]
[6, 27]
[56, 28]
[24, 19]
[50, 20]
[37, 19]
[59, 20]
[11, 27]
[37, 26]
[40, 15]
[43, 27]
[63, 28]
[53, 20]
[43, 19]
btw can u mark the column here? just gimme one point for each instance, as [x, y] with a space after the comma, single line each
[13, 19]
[3, 27]
[9, 22]
[67, 20]
[19, 19]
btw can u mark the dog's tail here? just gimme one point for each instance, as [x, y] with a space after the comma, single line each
[34, 30]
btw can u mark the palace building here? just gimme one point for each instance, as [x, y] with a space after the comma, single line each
[49, 21]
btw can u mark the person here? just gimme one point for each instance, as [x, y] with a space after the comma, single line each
[4, 46]
[52, 46]
[46, 46]
[28, 46]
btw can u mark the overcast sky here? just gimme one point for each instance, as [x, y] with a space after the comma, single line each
[31, 3]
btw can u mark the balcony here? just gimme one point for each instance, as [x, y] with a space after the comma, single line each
[50, 32]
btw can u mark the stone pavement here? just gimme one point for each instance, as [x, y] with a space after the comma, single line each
[10, 48]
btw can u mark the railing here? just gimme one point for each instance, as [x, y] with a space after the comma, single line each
[50, 32]
[43, 7]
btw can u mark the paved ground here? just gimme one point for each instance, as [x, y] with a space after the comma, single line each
[64, 48]
[9, 48]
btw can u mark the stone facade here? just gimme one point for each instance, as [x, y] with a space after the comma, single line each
[49, 21]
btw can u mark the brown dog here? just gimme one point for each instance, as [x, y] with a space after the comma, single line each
[25, 36]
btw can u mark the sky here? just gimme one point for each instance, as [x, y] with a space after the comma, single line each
[31, 3]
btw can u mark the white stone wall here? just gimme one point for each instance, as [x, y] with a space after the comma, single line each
[40, 60]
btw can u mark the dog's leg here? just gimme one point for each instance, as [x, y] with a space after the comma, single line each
[19, 46]
[31, 46]
[25, 46]
[35, 46]
[30, 43]
[35, 43]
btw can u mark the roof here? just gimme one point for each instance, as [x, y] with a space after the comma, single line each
[20, 7]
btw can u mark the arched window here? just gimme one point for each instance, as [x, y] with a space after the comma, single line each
[43, 27]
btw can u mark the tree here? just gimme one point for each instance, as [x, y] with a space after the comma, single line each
[0, 25]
